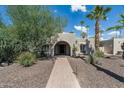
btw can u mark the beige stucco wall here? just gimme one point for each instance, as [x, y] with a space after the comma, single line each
[108, 46]
[67, 37]
[71, 39]
[113, 46]
[117, 45]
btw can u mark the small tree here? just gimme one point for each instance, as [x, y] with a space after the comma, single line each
[35, 25]
[31, 27]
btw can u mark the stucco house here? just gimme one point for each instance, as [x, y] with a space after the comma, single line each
[113, 46]
[65, 43]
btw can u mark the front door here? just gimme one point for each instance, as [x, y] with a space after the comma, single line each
[62, 49]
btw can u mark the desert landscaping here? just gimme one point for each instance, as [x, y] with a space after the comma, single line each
[61, 46]
[108, 73]
[36, 76]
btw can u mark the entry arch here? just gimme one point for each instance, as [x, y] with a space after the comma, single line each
[62, 48]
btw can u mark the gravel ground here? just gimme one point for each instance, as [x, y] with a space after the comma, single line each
[16, 76]
[110, 74]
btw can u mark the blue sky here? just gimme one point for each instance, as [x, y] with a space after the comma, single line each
[75, 14]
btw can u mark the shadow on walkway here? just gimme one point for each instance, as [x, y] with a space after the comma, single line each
[110, 73]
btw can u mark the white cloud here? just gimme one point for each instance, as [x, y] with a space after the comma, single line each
[102, 38]
[81, 28]
[114, 33]
[102, 34]
[109, 35]
[76, 8]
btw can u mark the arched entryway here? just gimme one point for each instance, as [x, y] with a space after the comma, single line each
[62, 48]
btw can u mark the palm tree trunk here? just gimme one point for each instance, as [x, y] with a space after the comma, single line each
[97, 34]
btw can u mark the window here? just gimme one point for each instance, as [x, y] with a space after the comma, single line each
[82, 48]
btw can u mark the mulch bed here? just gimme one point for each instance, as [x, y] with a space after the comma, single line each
[109, 74]
[17, 76]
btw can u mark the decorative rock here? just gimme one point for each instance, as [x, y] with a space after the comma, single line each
[4, 64]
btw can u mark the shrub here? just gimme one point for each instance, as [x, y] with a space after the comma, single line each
[26, 59]
[9, 47]
[99, 54]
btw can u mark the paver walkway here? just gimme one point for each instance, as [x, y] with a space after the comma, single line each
[62, 75]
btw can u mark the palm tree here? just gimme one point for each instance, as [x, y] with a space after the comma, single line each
[98, 14]
[118, 27]
[84, 34]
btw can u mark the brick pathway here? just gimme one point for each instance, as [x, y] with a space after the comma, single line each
[62, 75]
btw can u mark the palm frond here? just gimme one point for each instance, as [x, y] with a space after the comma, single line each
[106, 10]
[117, 27]
[90, 16]
[121, 21]
[99, 12]
[104, 17]
[110, 28]
[122, 16]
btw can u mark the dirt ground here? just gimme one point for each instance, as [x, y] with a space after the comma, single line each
[108, 74]
[36, 76]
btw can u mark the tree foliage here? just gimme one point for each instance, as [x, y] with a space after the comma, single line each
[31, 27]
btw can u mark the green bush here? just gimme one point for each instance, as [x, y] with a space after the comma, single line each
[26, 59]
[99, 54]
[9, 47]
